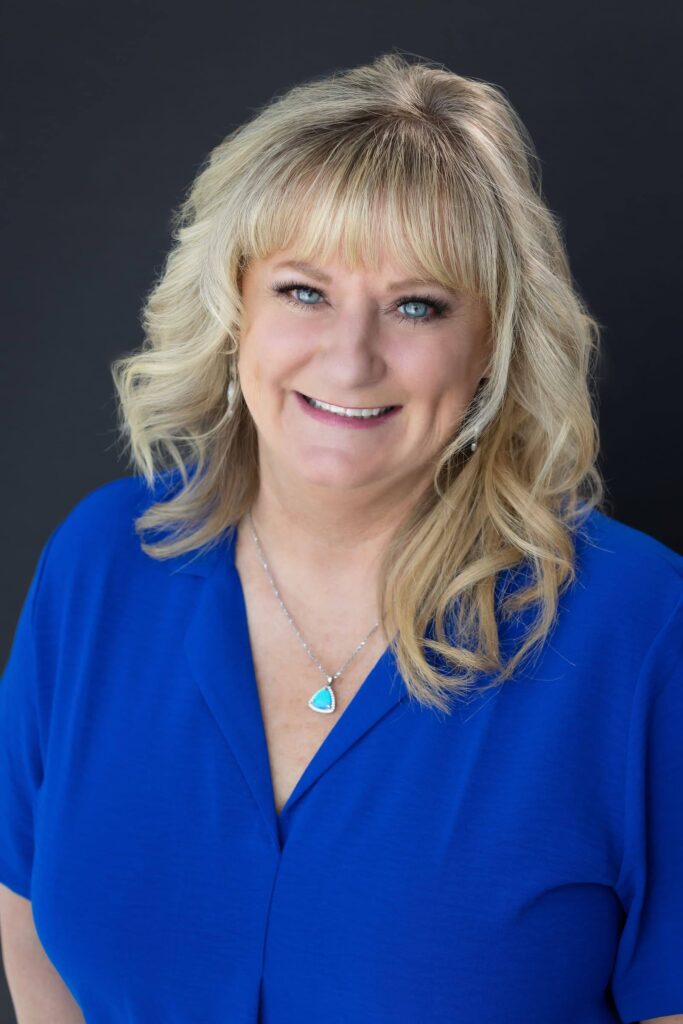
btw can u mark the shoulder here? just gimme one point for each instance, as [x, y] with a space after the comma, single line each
[111, 502]
[628, 587]
[615, 558]
[98, 534]
[104, 505]
[618, 550]
[102, 514]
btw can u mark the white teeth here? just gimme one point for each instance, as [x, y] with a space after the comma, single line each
[340, 410]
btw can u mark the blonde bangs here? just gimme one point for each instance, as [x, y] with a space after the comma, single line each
[386, 193]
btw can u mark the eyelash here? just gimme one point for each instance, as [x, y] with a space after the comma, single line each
[439, 306]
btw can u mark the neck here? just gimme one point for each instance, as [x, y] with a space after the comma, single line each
[330, 537]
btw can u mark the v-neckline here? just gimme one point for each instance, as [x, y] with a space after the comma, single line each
[246, 638]
[218, 647]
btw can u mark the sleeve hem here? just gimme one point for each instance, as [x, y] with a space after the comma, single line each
[17, 881]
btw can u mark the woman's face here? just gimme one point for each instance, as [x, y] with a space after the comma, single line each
[357, 340]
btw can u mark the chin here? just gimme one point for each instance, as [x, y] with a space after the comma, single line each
[330, 471]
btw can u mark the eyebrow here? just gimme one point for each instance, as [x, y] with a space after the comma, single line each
[306, 268]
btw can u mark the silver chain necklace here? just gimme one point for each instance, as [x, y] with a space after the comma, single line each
[323, 700]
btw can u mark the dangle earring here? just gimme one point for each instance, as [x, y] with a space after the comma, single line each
[231, 391]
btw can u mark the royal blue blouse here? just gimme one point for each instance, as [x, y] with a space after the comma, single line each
[518, 860]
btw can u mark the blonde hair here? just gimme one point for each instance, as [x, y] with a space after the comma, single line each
[410, 161]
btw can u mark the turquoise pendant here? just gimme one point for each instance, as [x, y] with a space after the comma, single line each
[323, 700]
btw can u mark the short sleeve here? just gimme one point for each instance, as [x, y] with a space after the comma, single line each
[648, 973]
[21, 755]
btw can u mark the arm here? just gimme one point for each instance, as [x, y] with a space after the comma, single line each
[38, 992]
[677, 1019]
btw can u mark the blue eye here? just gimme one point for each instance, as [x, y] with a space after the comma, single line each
[303, 288]
[438, 306]
[415, 302]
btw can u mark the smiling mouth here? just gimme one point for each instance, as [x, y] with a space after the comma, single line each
[353, 410]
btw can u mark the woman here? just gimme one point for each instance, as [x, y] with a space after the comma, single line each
[352, 703]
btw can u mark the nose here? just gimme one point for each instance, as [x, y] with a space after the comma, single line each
[350, 348]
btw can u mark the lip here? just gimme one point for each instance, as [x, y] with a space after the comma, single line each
[348, 422]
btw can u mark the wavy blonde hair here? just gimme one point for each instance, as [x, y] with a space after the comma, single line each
[405, 159]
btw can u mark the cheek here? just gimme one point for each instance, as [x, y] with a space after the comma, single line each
[445, 365]
[270, 366]
[435, 373]
[274, 350]
[250, 366]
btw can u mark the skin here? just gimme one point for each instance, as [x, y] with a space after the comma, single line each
[330, 496]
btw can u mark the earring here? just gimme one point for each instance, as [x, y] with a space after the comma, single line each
[473, 446]
[231, 392]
